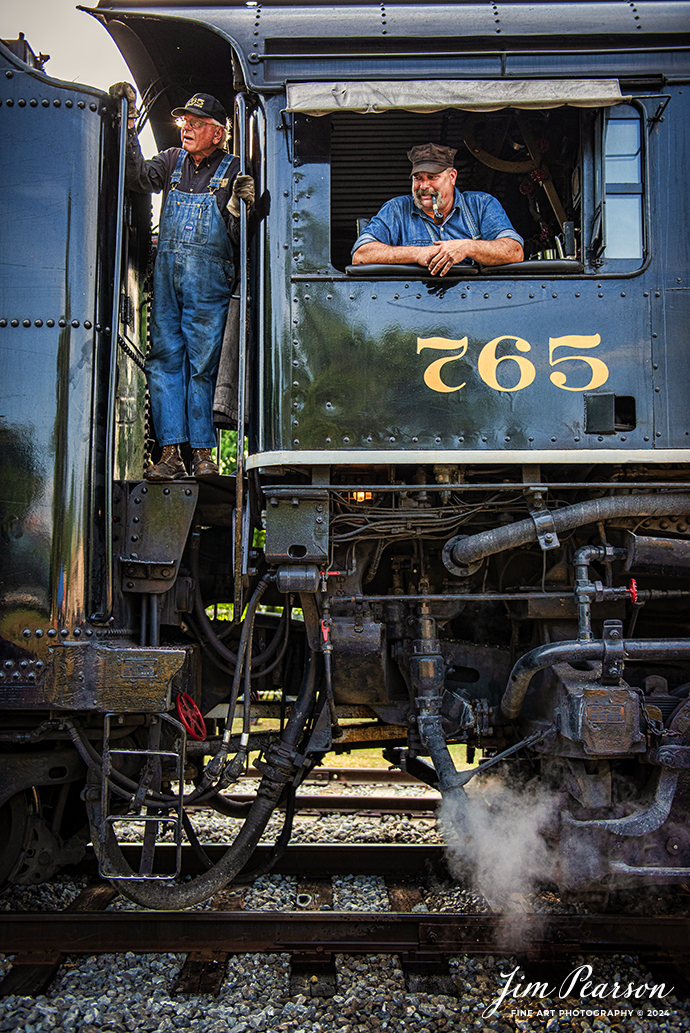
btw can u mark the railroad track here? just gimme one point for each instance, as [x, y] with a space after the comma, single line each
[314, 933]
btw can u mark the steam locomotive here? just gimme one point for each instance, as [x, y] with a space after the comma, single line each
[460, 509]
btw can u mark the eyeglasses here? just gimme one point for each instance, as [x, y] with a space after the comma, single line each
[191, 123]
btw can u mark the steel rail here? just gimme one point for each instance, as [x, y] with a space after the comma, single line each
[317, 860]
[384, 932]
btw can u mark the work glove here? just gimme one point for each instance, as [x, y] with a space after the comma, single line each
[124, 89]
[243, 187]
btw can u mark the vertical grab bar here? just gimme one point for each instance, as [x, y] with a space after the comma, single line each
[112, 375]
[241, 109]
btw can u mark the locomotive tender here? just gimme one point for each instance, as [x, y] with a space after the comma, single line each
[474, 489]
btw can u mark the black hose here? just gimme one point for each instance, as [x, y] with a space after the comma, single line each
[173, 896]
[464, 551]
[200, 611]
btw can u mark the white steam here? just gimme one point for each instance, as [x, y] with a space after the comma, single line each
[496, 840]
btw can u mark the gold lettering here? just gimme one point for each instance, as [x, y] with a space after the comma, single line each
[432, 374]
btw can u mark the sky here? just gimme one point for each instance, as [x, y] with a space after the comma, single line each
[80, 48]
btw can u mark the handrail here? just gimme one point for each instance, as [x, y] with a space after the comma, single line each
[112, 373]
[241, 112]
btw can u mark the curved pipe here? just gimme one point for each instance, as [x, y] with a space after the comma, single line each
[464, 551]
[577, 652]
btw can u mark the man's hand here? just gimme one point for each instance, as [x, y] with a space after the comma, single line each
[243, 188]
[124, 89]
[443, 255]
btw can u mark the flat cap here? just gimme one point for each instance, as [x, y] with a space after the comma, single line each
[205, 105]
[431, 157]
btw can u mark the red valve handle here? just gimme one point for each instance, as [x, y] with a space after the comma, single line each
[632, 589]
[190, 716]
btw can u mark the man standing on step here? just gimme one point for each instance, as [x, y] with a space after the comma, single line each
[193, 274]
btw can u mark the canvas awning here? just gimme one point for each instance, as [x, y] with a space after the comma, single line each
[321, 98]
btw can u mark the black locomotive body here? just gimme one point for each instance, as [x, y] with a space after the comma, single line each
[462, 513]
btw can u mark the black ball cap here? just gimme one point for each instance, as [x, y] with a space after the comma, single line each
[205, 105]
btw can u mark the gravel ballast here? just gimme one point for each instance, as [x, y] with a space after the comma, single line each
[129, 992]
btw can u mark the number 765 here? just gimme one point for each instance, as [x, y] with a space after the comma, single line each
[561, 349]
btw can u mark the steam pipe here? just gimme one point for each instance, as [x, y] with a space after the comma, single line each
[576, 652]
[464, 551]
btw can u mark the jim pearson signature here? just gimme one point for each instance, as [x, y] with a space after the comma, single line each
[580, 983]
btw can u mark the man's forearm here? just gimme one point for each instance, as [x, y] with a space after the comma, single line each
[495, 252]
[375, 253]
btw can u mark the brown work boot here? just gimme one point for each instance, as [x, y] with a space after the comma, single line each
[203, 464]
[169, 467]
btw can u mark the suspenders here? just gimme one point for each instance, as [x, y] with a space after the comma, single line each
[470, 221]
[217, 178]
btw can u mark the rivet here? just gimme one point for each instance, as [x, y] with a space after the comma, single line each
[93, 107]
[26, 322]
[655, 335]
[295, 441]
[134, 555]
[346, 441]
[577, 294]
[52, 632]
[622, 294]
[38, 322]
[38, 632]
[69, 103]
[3, 322]
[26, 633]
[646, 438]
[45, 102]
[9, 103]
[530, 439]
[64, 632]
[50, 322]
[81, 104]
[166, 491]
[144, 490]
[391, 440]
[658, 433]
[14, 322]
[134, 538]
[21, 103]
[62, 322]
[9, 75]
[188, 491]
[531, 295]
[87, 324]
[415, 440]
[57, 103]
[75, 323]
[9, 663]
[486, 295]
[130, 584]
[76, 632]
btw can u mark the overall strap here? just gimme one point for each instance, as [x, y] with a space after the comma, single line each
[216, 182]
[177, 173]
[468, 217]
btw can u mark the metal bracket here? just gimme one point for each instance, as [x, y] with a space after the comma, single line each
[543, 522]
[614, 653]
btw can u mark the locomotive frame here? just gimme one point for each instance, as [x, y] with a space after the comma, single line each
[474, 489]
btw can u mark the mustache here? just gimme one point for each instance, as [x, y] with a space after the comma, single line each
[420, 192]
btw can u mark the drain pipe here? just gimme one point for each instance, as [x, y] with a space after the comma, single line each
[427, 671]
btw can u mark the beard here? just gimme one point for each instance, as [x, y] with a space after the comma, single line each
[418, 194]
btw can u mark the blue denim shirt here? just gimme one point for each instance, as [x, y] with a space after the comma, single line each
[474, 215]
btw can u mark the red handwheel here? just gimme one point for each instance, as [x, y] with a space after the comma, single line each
[190, 716]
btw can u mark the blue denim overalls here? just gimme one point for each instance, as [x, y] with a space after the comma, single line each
[192, 282]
